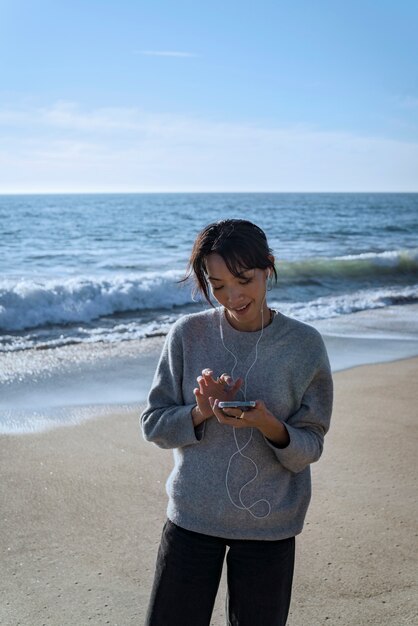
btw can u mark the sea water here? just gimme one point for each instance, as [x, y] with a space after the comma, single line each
[97, 272]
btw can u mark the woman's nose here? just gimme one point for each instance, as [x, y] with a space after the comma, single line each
[233, 294]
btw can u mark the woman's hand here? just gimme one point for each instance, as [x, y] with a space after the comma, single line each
[222, 388]
[259, 417]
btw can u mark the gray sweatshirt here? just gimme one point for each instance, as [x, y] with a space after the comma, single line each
[270, 486]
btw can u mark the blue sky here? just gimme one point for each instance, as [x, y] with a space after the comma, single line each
[208, 96]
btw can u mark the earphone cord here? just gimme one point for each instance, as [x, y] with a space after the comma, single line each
[240, 449]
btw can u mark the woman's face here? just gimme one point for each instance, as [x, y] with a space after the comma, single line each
[243, 296]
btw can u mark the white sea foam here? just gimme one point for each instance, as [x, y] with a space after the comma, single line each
[29, 303]
[122, 331]
[334, 306]
[388, 257]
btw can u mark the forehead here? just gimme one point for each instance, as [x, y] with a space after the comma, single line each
[217, 268]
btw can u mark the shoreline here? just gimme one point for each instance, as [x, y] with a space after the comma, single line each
[84, 507]
[44, 389]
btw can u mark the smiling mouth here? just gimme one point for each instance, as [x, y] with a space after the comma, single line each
[242, 308]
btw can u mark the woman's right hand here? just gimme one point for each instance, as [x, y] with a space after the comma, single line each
[222, 388]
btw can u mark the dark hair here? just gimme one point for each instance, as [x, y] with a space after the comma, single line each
[240, 243]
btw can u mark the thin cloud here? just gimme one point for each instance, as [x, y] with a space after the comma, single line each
[165, 53]
[65, 147]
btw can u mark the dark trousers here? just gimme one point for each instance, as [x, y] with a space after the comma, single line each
[188, 571]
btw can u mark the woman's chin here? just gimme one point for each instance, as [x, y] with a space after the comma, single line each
[244, 319]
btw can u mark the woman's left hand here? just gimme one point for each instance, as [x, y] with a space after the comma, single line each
[259, 417]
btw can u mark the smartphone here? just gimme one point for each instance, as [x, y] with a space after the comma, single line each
[235, 404]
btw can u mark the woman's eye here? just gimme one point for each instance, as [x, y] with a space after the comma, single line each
[243, 281]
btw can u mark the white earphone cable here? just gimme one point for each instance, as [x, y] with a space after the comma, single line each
[240, 449]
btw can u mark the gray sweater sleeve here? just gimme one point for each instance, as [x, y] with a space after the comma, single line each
[309, 424]
[166, 420]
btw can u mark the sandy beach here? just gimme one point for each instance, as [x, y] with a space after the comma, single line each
[82, 509]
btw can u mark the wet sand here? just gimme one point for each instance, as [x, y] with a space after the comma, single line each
[40, 389]
[82, 509]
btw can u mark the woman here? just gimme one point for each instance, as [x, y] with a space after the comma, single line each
[241, 479]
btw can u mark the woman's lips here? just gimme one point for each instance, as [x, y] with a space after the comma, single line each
[241, 310]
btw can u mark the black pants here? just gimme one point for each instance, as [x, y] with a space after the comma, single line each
[188, 571]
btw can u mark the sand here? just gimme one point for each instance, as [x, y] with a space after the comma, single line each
[82, 509]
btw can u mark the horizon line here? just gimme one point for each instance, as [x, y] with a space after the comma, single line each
[137, 192]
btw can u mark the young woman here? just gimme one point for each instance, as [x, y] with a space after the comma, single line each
[241, 479]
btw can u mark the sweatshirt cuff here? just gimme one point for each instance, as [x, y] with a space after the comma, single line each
[291, 456]
[199, 430]
[191, 434]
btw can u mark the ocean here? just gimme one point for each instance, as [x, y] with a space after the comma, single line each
[96, 272]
